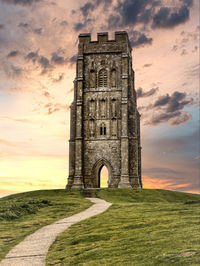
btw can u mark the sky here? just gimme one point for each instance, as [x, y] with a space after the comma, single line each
[38, 48]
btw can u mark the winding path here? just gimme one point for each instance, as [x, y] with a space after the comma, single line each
[33, 249]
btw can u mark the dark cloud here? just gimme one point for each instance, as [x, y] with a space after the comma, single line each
[163, 117]
[174, 48]
[87, 8]
[41, 60]
[21, 2]
[78, 26]
[149, 12]
[90, 6]
[141, 93]
[139, 39]
[38, 31]
[188, 3]
[13, 53]
[13, 71]
[2, 26]
[169, 109]
[132, 11]
[113, 20]
[72, 59]
[176, 102]
[166, 18]
[23, 25]
[33, 56]
[147, 65]
[81, 25]
[46, 94]
[44, 63]
[163, 100]
[56, 59]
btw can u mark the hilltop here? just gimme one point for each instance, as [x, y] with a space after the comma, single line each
[142, 227]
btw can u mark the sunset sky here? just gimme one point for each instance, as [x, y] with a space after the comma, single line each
[38, 46]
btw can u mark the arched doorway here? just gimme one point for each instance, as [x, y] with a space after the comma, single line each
[102, 173]
[103, 177]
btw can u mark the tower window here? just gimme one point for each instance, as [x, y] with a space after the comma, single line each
[113, 78]
[102, 78]
[102, 129]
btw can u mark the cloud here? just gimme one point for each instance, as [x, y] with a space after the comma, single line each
[141, 94]
[2, 26]
[149, 12]
[55, 107]
[147, 65]
[174, 102]
[15, 71]
[90, 6]
[78, 26]
[44, 63]
[41, 60]
[23, 25]
[181, 119]
[166, 18]
[46, 94]
[188, 3]
[169, 109]
[133, 11]
[113, 20]
[33, 56]
[56, 59]
[13, 53]
[23, 120]
[38, 31]
[139, 39]
[162, 100]
[21, 2]
[163, 117]
[87, 8]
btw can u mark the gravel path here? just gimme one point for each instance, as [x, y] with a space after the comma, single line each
[33, 249]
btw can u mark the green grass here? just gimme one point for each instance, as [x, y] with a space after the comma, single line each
[142, 227]
[24, 213]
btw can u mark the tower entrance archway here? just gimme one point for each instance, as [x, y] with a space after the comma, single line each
[102, 172]
[103, 177]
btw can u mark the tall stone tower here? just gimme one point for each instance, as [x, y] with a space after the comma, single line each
[105, 123]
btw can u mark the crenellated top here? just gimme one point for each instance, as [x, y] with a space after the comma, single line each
[121, 43]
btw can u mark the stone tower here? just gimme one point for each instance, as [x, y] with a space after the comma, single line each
[105, 123]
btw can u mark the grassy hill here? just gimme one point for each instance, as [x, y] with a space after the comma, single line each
[24, 213]
[142, 227]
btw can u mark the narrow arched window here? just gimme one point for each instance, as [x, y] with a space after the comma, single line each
[92, 108]
[113, 78]
[102, 129]
[92, 79]
[102, 78]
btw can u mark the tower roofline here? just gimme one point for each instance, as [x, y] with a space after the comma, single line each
[103, 37]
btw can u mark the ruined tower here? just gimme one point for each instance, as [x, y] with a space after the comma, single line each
[105, 123]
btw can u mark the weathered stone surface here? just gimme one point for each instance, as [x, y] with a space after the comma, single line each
[105, 123]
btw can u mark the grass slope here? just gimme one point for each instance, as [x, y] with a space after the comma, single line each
[142, 227]
[24, 213]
